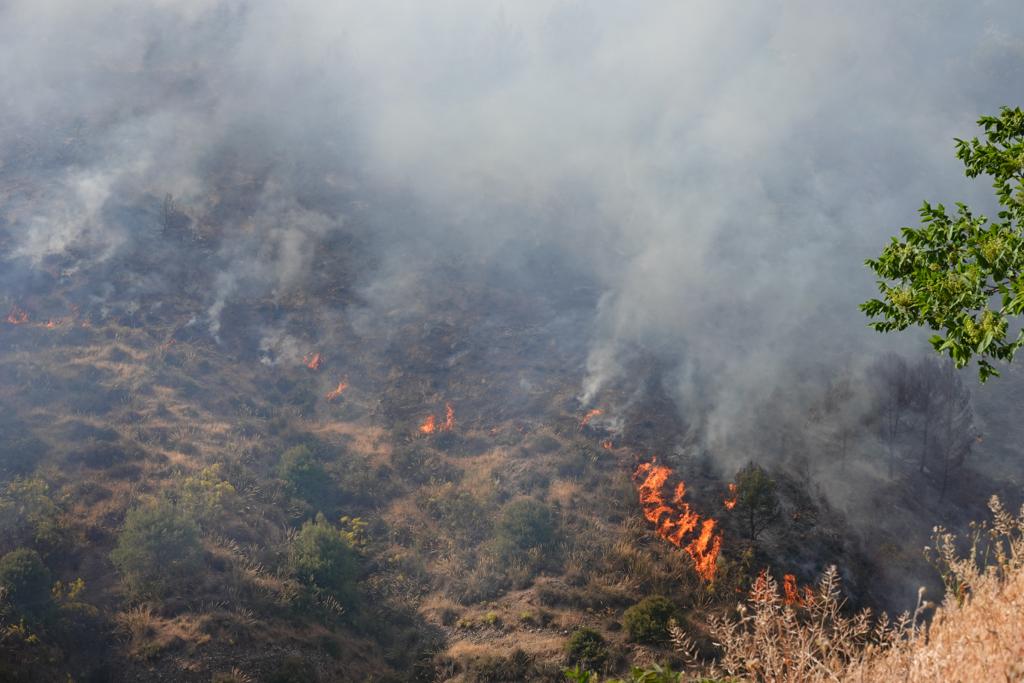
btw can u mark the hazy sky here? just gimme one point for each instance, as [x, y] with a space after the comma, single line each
[721, 169]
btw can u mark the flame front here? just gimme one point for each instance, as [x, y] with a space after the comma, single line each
[730, 501]
[17, 316]
[313, 361]
[607, 444]
[336, 393]
[791, 592]
[675, 521]
[429, 426]
[591, 414]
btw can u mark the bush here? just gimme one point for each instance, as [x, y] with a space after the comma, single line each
[29, 515]
[323, 556]
[157, 548]
[587, 648]
[524, 524]
[25, 582]
[459, 512]
[305, 476]
[647, 621]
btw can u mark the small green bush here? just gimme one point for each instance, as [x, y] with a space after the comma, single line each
[157, 548]
[324, 556]
[28, 515]
[25, 582]
[647, 621]
[524, 524]
[305, 476]
[587, 648]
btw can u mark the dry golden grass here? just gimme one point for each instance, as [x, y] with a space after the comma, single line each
[978, 632]
[976, 635]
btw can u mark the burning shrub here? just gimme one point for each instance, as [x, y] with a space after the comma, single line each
[648, 620]
[587, 648]
[323, 556]
[157, 548]
[25, 583]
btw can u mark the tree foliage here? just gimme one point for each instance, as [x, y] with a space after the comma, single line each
[959, 273]
[756, 499]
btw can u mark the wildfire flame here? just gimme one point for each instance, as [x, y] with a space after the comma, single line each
[336, 393]
[429, 425]
[791, 592]
[313, 361]
[607, 444]
[17, 316]
[675, 521]
[730, 501]
[591, 414]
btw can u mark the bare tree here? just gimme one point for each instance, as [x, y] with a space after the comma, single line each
[954, 433]
[926, 400]
[891, 380]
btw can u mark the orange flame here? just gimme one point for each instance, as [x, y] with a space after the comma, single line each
[791, 592]
[730, 502]
[588, 417]
[607, 444]
[429, 426]
[336, 393]
[17, 316]
[675, 521]
[313, 361]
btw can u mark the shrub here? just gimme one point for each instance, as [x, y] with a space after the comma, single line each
[29, 515]
[205, 495]
[305, 476]
[647, 621]
[587, 648]
[158, 546]
[525, 523]
[25, 581]
[323, 556]
[459, 512]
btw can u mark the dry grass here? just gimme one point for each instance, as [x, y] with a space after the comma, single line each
[975, 635]
[978, 632]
